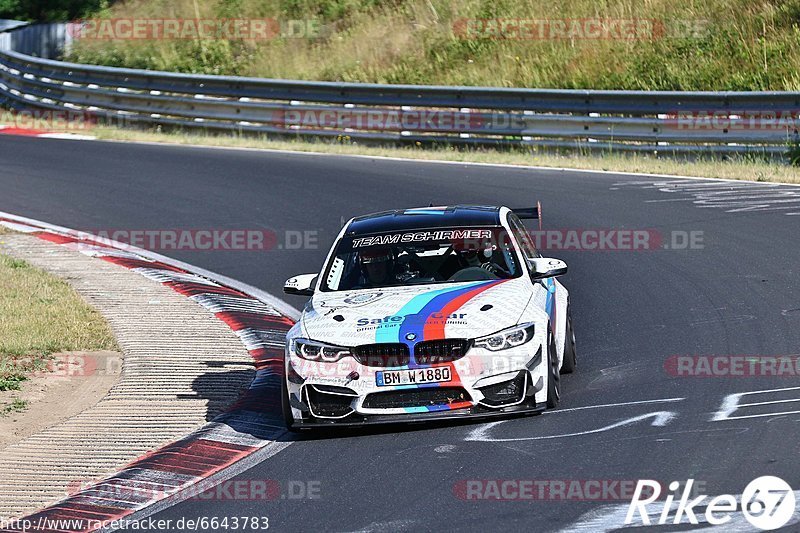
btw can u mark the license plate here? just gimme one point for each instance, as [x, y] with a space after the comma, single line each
[388, 378]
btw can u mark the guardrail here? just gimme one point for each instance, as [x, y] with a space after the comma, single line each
[631, 121]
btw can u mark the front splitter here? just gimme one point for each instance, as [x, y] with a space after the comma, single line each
[472, 414]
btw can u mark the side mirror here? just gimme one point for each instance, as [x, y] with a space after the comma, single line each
[302, 285]
[547, 267]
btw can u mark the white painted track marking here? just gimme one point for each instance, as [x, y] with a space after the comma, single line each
[660, 419]
[730, 404]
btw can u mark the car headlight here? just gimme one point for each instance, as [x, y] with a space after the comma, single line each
[318, 351]
[507, 338]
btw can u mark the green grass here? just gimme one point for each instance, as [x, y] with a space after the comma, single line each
[11, 381]
[740, 45]
[17, 405]
[41, 315]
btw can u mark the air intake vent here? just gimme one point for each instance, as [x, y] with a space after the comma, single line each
[416, 398]
[383, 355]
[440, 351]
[329, 402]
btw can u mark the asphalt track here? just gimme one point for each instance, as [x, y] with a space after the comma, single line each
[633, 310]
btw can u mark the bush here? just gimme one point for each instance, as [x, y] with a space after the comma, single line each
[49, 10]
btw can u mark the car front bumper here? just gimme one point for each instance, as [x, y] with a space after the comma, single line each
[484, 384]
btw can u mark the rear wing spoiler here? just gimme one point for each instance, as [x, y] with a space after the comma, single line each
[530, 213]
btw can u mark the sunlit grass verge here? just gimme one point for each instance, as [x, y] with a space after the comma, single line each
[742, 168]
[721, 45]
[41, 315]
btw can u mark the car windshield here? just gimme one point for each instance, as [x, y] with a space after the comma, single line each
[421, 257]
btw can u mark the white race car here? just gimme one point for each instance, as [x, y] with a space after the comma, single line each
[429, 313]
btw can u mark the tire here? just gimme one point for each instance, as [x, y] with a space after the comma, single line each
[553, 376]
[285, 408]
[570, 352]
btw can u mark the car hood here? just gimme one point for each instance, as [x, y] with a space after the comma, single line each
[414, 314]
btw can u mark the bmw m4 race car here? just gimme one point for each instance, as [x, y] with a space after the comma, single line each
[429, 313]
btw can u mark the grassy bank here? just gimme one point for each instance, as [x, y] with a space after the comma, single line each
[684, 44]
[742, 169]
[41, 315]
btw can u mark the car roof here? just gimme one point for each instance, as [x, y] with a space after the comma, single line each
[456, 216]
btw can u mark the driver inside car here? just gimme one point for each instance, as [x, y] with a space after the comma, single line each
[481, 257]
[377, 268]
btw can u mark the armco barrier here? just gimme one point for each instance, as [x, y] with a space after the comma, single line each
[640, 121]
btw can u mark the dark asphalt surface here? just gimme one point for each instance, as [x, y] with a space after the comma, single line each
[737, 295]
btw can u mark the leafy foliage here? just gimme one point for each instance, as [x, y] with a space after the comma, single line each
[49, 10]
